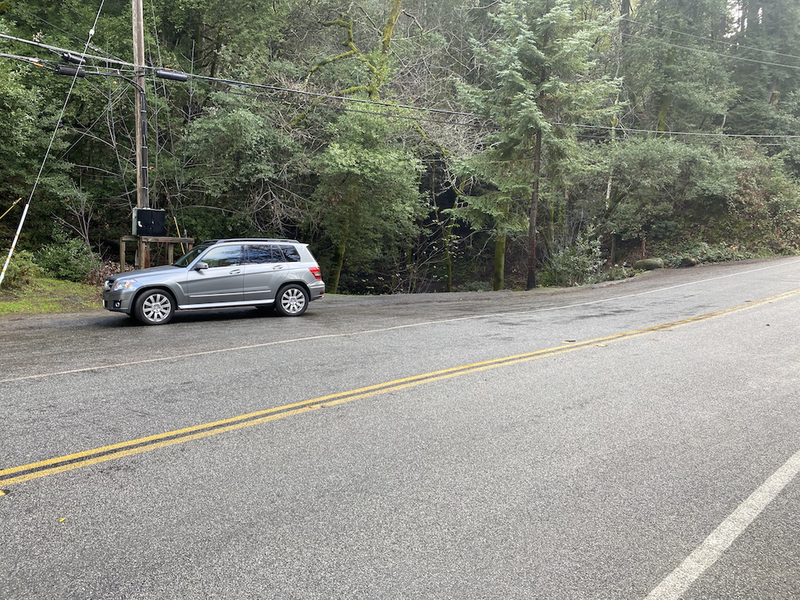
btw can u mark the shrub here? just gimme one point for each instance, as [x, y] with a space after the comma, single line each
[474, 286]
[705, 253]
[21, 270]
[66, 258]
[615, 273]
[574, 264]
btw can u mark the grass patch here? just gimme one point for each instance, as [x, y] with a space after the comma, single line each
[47, 296]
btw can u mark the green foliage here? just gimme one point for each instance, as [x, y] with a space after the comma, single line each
[47, 296]
[675, 78]
[574, 264]
[702, 252]
[367, 200]
[235, 161]
[540, 77]
[65, 258]
[21, 271]
[615, 273]
[474, 286]
[676, 193]
[764, 211]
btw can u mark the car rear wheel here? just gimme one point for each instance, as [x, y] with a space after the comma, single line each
[291, 301]
[155, 307]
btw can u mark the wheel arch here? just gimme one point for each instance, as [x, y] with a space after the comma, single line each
[151, 288]
[288, 282]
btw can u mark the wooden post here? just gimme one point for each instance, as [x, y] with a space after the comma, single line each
[142, 201]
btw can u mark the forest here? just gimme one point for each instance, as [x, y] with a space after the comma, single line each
[415, 145]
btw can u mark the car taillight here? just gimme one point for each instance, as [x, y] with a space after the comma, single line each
[315, 272]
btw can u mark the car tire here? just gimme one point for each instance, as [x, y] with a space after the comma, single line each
[292, 300]
[154, 307]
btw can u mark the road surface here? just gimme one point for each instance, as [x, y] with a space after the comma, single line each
[629, 440]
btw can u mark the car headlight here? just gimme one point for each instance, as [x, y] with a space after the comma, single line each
[124, 284]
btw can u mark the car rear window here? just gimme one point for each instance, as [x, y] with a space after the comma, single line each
[291, 253]
[259, 254]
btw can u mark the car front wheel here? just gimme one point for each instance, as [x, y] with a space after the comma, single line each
[292, 301]
[155, 308]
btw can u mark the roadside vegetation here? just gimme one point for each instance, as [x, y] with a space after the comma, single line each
[47, 296]
[416, 145]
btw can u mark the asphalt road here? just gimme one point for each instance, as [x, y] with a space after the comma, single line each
[630, 440]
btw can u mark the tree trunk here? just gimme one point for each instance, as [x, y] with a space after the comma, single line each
[338, 260]
[537, 168]
[388, 29]
[666, 99]
[498, 282]
[613, 258]
[448, 256]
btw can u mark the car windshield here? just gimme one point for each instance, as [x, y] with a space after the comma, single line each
[186, 259]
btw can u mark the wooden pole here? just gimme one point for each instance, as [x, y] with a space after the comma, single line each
[142, 200]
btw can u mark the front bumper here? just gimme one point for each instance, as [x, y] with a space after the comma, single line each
[120, 301]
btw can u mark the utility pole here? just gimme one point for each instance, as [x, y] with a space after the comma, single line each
[142, 191]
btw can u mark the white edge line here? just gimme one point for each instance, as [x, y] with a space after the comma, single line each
[384, 329]
[705, 555]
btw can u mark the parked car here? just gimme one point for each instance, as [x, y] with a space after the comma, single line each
[220, 274]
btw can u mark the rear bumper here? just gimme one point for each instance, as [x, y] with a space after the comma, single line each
[316, 290]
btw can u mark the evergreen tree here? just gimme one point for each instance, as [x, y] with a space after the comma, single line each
[541, 78]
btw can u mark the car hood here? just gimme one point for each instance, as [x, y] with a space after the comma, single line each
[143, 273]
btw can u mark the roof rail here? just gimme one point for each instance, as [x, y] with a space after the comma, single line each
[273, 240]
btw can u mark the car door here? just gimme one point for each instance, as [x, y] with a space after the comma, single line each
[222, 281]
[263, 272]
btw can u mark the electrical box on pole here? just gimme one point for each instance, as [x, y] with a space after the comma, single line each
[149, 222]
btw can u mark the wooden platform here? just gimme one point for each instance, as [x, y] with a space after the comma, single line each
[169, 241]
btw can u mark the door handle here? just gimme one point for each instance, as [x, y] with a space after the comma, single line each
[277, 267]
[236, 271]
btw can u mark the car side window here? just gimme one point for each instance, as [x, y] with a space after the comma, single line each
[225, 256]
[291, 253]
[259, 254]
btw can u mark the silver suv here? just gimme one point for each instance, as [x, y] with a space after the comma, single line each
[220, 274]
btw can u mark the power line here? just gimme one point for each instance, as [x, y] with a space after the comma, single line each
[47, 152]
[366, 112]
[235, 83]
[688, 133]
[27, 59]
[736, 45]
[18, 6]
[709, 52]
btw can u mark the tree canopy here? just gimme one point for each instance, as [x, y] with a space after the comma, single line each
[417, 145]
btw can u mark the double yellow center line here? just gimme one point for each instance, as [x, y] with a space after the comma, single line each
[179, 436]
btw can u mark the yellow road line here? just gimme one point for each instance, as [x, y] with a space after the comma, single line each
[85, 458]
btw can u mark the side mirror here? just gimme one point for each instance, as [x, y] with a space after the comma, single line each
[200, 266]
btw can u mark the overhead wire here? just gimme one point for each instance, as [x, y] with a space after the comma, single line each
[355, 110]
[687, 133]
[709, 52]
[18, 6]
[124, 66]
[47, 152]
[733, 44]
[235, 83]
